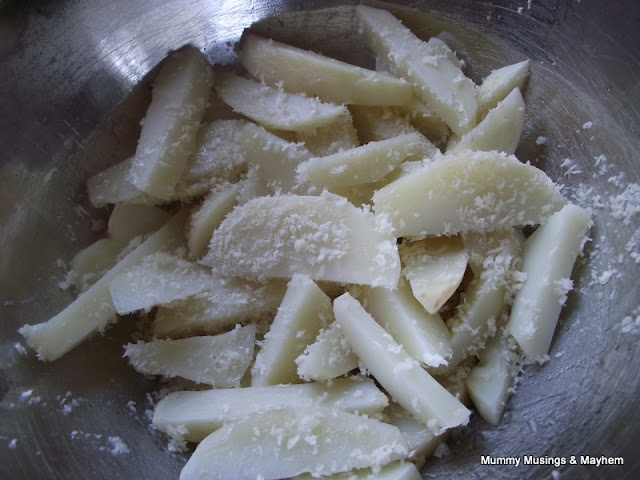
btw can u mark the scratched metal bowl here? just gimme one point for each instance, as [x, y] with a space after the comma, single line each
[67, 67]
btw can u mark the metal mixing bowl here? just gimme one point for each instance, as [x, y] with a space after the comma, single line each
[65, 68]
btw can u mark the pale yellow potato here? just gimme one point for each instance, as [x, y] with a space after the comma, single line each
[225, 304]
[428, 123]
[90, 263]
[323, 236]
[379, 123]
[491, 381]
[274, 108]
[431, 67]
[112, 186]
[202, 412]
[365, 164]
[423, 335]
[283, 443]
[93, 310]
[482, 303]
[549, 256]
[217, 158]
[396, 371]
[333, 81]
[434, 268]
[158, 279]
[179, 98]
[304, 310]
[479, 191]
[398, 470]
[272, 159]
[216, 360]
[500, 130]
[421, 440]
[208, 216]
[328, 357]
[128, 221]
[498, 84]
[333, 138]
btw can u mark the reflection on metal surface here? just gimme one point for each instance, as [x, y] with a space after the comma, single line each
[72, 63]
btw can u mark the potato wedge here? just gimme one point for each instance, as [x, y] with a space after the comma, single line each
[549, 256]
[333, 138]
[202, 412]
[324, 237]
[434, 268]
[500, 129]
[398, 373]
[128, 221]
[479, 191]
[431, 67]
[216, 360]
[497, 85]
[287, 442]
[333, 81]
[93, 310]
[274, 108]
[305, 309]
[112, 186]
[179, 98]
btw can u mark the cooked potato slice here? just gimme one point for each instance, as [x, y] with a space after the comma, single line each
[128, 221]
[305, 309]
[328, 357]
[491, 380]
[333, 138]
[158, 279]
[365, 164]
[324, 237]
[179, 98]
[112, 186]
[379, 123]
[423, 335]
[90, 263]
[333, 81]
[217, 360]
[421, 440]
[478, 191]
[498, 84]
[228, 303]
[202, 412]
[209, 215]
[500, 130]
[272, 159]
[93, 310]
[287, 442]
[430, 66]
[397, 470]
[275, 108]
[428, 123]
[549, 256]
[398, 373]
[481, 306]
[434, 268]
[217, 157]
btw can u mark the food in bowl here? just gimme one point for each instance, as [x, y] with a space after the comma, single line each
[354, 251]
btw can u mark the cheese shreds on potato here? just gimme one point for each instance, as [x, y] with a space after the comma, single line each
[202, 412]
[305, 309]
[93, 310]
[549, 255]
[434, 268]
[396, 371]
[274, 108]
[283, 443]
[365, 164]
[217, 360]
[333, 81]
[179, 98]
[476, 191]
[430, 66]
[324, 237]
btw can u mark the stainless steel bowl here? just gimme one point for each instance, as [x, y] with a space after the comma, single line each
[66, 68]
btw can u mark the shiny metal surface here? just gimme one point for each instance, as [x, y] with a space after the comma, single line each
[65, 68]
